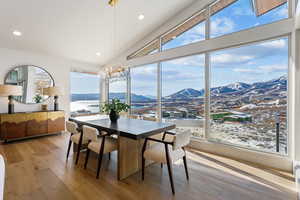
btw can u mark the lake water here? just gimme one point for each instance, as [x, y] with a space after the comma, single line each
[89, 105]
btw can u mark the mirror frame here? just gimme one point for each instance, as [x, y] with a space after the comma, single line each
[7, 74]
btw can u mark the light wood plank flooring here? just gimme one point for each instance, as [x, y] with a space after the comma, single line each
[37, 170]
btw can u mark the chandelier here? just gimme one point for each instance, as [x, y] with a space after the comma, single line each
[122, 71]
[112, 2]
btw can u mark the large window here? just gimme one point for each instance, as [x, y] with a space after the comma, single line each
[228, 16]
[183, 93]
[249, 95]
[144, 91]
[85, 93]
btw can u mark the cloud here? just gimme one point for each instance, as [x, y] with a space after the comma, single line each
[221, 26]
[239, 11]
[145, 70]
[182, 75]
[230, 58]
[252, 55]
[273, 68]
[244, 70]
[275, 44]
[262, 69]
[282, 12]
[193, 35]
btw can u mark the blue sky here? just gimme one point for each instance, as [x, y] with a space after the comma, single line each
[251, 63]
[81, 83]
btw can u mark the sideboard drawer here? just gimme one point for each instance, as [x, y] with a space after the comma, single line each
[56, 121]
[13, 125]
[37, 123]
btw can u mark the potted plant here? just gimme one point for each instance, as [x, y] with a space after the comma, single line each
[114, 108]
[38, 98]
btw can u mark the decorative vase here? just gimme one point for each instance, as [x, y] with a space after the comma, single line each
[113, 116]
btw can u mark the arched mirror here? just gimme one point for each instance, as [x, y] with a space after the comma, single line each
[33, 79]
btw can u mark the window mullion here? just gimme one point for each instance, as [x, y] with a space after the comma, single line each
[129, 89]
[207, 96]
[207, 79]
[159, 85]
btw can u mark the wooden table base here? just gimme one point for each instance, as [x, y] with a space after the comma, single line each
[129, 156]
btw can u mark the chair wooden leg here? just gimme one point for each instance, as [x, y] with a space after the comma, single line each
[143, 167]
[169, 164]
[69, 147]
[99, 165]
[100, 156]
[78, 153]
[143, 159]
[86, 158]
[185, 167]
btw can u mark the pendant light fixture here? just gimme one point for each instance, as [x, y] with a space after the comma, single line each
[120, 72]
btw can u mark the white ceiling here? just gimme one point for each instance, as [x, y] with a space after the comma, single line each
[77, 29]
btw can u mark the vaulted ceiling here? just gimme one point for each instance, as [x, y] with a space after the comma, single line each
[78, 29]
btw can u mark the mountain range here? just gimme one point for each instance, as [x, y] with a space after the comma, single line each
[272, 86]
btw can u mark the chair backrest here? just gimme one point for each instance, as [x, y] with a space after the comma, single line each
[181, 139]
[71, 127]
[90, 133]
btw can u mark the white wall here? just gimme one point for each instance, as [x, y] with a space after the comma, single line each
[59, 68]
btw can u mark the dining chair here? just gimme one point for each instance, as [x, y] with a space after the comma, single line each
[76, 137]
[100, 144]
[167, 152]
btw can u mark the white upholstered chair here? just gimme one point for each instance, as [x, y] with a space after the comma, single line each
[167, 152]
[100, 144]
[75, 137]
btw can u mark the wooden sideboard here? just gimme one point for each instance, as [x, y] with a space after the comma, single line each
[31, 124]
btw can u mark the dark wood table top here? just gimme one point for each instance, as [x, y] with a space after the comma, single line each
[126, 127]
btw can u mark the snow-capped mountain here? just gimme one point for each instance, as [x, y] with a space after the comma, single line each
[188, 93]
[275, 86]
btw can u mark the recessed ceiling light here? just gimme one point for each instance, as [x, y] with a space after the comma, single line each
[17, 33]
[98, 54]
[141, 17]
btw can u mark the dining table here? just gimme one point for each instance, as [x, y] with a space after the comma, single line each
[131, 134]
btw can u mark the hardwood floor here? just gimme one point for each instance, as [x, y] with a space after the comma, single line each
[37, 169]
